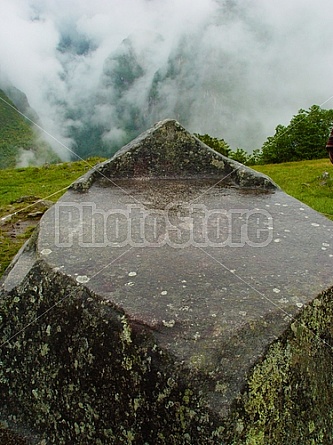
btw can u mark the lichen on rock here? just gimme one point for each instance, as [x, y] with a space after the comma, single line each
[289, 397]
[169, 151]
[216, 340]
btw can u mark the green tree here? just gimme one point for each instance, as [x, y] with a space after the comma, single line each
[304, 138]
[240, 155]
[219, 145]
[255, 157]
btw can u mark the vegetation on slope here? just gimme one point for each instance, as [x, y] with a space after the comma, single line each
[25, 193]
[309, 181]
[15, 133]
[304, 138]
[18, 139]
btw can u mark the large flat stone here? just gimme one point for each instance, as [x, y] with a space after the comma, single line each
[154, 297]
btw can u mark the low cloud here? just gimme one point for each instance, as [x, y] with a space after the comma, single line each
[98, 73]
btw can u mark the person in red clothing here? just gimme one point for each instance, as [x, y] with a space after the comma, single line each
[329, 146]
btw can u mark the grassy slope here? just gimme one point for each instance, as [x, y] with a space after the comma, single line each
[19, 188]
[14, 132]
[306, 181]
[18, 136]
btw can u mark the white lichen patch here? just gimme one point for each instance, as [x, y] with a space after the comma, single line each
[221, 387]
[169, 324]
[127, 363]
[283, 301]
[137, 403]
[198, 360]
[218, 164]
[44, 350]
[46, 252]
[125, 335]
[35, 393]
[132, 274]
[82, 279]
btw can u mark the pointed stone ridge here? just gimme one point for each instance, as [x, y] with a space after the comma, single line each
[158, 309]
[169, 151]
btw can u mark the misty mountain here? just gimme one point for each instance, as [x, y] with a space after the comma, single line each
[131, 94]
[98, 73]
[20, 101]
[14, 133]
[19, 142]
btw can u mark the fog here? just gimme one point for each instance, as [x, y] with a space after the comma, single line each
[98, 73]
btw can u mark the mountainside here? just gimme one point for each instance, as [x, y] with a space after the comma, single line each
[15, 133]
[19, 144]
[100, 73]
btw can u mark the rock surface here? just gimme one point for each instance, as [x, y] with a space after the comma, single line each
[169, 151]
[172, 296]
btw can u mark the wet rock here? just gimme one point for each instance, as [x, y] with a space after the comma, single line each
[170, 304]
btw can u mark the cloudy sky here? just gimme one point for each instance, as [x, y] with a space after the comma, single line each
[239, 67]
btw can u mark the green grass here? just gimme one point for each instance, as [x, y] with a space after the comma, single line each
[18, 137]
[15, 132]
[40, 181]
[309, 181]
[20, 188]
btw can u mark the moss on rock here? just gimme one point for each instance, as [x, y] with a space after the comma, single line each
[289, 394]
[182, 354]
[80, 373]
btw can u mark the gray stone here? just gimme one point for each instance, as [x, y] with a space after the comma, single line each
[169, 151]
[172, 296]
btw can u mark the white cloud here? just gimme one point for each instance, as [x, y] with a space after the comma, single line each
[241, 67]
